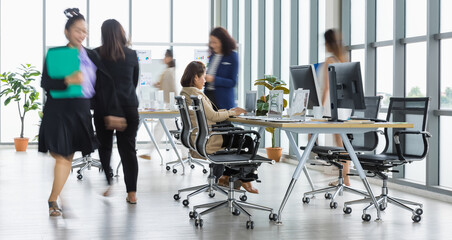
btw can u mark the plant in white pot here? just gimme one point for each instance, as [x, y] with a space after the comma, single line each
[17, 88]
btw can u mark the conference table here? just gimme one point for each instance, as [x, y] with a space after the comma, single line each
[315, 128]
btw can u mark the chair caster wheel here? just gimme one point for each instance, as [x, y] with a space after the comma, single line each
[243, 198]
[306, 200]
[347, 210]
[174, 171]
[168, 168]
[211, 195]
[333, 205]
[111, 174]
[366, 217]
[416, 218]
[419, 211]
[273, 217]
[204, 171]
[382, 207]
[176, 197]
[328, 196]
[236, 212]
[193, 214]
[192, 166]
[199, 222]
[80, 177]
[249, 224]
[78, 171]
[185, 202]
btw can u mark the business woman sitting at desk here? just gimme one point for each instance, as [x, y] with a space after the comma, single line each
[192, 82]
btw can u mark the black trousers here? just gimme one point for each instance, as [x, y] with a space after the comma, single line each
[220, 169]
[126, 141]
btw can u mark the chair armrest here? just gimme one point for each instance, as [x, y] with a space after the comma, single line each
[222, 125]
[225, 129]
[397, 140]
[242, 132]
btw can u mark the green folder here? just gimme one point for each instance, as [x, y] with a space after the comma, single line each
[62, 62]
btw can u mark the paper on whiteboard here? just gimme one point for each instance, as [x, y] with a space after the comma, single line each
[145, 79]
[144, 56]
[202, 55]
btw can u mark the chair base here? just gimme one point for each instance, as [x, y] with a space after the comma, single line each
[190, 161]
[85, 162]
[210, 187]
[235, 207]
[383, 201]
[338, 190]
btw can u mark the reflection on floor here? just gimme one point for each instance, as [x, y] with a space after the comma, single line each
[26, 178]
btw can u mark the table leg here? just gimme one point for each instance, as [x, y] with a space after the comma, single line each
[362, 175]
[153, 139]
[296, 174]
[168, 134]
[293, 145]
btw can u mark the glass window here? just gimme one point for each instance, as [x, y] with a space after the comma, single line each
[359, 56]
[416, 84]
[230, 16]
[322, 29]
[151, 21]
[56, 20]
[446, 17]
[303, 32]
[357, 19]
[117, 9]
[385, 74]
[191, 24]
[269, 16]
[385, 20]
[19, 30]
[445, 162]
[416, 18]
[446, 74]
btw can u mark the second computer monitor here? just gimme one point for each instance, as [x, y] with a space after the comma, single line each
[304, 76]
[346, 87]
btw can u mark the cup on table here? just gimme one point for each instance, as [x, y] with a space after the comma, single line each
[317, 111]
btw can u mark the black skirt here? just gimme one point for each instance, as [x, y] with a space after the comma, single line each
[67, 127]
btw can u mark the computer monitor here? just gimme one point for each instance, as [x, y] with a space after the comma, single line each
[251, 103]
[304, 76]
[346, 87]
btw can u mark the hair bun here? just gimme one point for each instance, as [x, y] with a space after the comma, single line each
[72, 12]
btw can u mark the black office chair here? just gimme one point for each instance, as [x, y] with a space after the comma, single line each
[245, 163]
[402, 146]
[365, 142]
[184, 137]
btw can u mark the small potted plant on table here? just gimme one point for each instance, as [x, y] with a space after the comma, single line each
[271, 83]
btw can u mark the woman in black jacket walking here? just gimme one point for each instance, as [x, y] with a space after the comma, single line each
[122, 64]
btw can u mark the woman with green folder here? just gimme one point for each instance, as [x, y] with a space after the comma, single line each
[66, 126]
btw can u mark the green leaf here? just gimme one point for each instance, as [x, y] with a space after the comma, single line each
[268, 86]
[286, 91]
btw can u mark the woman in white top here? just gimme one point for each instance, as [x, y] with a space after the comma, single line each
[333, 45]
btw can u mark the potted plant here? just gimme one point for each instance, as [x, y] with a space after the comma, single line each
[17, 87]
[271, 83]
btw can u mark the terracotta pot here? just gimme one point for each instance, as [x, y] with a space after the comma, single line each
[21, 144]
[274, 153]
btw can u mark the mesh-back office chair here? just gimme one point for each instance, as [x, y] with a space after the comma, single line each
[365, 142]
[184, 136]
[246, 164]
[177, 134]
[402, 146]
